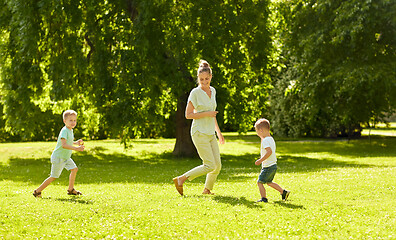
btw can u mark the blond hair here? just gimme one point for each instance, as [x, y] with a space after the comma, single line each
[262, 123]
[67, 113]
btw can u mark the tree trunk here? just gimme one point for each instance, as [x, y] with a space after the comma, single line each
[184, 146]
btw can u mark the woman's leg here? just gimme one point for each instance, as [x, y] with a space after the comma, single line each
[212, 176]
[204, 147]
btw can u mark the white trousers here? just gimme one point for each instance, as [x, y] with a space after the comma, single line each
[208, 150]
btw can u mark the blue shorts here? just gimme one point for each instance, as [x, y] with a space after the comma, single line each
[267, 174]
[58, 164]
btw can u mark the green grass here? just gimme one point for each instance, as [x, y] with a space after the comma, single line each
[381, 129]
[340, 190]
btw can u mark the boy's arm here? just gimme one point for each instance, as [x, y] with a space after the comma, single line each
[79, 142]
[70, 147]
[266, 155]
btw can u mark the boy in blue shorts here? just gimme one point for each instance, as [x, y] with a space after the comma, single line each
[267, 161]
[60, 157]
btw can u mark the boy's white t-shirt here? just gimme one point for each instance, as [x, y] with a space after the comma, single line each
[268, 142]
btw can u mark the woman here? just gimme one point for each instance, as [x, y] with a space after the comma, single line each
[201, 107]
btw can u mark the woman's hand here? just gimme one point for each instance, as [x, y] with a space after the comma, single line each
[191, 114]
[211, 113]
[221, 138]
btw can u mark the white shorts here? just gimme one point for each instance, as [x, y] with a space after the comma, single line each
[58, 164]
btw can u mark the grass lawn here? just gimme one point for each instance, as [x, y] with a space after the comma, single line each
[340, 190]
[381, 129]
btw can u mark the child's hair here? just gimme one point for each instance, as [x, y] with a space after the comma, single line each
[204, 67]
[262, 123]
[67, 113]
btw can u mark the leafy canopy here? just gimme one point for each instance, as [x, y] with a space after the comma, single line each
[340, 59]
[123, 65]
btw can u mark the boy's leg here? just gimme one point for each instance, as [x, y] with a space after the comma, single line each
[266, 176]
[262, 190]
[72, 178]
[45, 184]
[283, 192]
[72, 167]
[275, 186]
[56, 169]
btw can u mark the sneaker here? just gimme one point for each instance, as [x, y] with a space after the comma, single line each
[285, 195]
[262, 200]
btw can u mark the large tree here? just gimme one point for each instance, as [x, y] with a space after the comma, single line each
[340, 61]
[232, 36]
[128, 66]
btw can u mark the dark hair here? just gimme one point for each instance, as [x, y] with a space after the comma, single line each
[204, 67]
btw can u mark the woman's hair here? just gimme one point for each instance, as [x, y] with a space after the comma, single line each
[204, 67]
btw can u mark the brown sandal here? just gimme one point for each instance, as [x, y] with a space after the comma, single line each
[73, 192]
[207, 192]
[37, 194]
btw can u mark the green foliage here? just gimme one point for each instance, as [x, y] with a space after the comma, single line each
[170, 39]
[123, 65]
[340, 65]
[41, 67]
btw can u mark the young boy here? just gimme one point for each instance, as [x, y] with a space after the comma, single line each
[60, 157]
[267, 160]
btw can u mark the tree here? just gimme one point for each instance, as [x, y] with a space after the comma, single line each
[43, 66]
[128, 66]
[340, 58]
[234, 38]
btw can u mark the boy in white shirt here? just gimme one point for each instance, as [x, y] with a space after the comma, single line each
[267, 161]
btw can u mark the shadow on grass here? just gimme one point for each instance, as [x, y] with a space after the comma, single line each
[74, 200]
[288, 163]
[237, 168]
[234, 201]
[289, 205]
[98, 167]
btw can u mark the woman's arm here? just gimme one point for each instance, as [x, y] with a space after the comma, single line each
[219, 134]
[191, 114]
